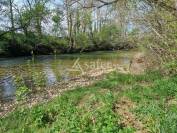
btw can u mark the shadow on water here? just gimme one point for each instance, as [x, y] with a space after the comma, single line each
[47, 70]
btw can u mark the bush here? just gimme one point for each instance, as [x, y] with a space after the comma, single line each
[107, 35]
[82, 40]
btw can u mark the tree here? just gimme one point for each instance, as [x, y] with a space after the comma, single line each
[57, 18]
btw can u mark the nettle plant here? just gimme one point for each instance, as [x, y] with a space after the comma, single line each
[38, 79]
[21, 89]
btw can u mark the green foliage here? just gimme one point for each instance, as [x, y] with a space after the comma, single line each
[82, 40]
[107, 35]
[38, 79]
[19, 47]
[116, 79]
[153, 105]
[165, 88]
[3, 47]
[55, 42]
[56, 19]
[67, 114]
[22, 90]
[91, 109]
[171, 67]
[105, 39]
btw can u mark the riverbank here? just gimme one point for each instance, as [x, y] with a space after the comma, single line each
[127, 99]
[34, 74]
[48, 93]
[26, 97]
[118, 103]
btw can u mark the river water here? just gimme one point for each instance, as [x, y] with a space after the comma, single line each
[41, 71]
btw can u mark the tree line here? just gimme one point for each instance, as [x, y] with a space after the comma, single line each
[87, 25]
[66, 26]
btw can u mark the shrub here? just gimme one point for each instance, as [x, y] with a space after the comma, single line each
[107, 35]
[82, 40]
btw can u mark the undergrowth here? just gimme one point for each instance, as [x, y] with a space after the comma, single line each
[91, 109]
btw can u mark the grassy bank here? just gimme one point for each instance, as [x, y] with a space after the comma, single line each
[121, 103]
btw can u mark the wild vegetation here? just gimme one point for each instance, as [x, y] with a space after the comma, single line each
[151, 99]
[122, 102]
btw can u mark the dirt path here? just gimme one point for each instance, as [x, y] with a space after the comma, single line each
[123, 108]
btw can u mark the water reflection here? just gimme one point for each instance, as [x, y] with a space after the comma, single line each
[7, 88]
[50, 75]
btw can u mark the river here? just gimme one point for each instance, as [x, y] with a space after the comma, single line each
[41, 71]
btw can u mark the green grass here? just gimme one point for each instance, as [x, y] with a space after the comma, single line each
[91, 109]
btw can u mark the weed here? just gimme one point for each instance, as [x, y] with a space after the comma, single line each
[91, 109]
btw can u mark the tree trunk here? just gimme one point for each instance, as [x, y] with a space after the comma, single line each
[12, 21]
